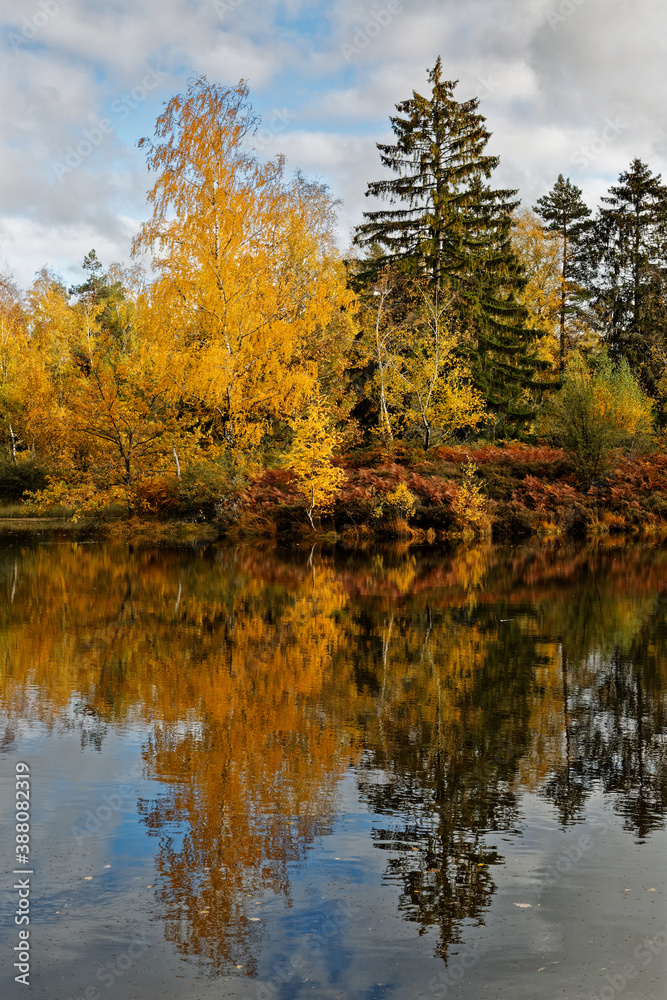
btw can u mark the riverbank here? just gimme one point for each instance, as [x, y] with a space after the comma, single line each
[505, 493]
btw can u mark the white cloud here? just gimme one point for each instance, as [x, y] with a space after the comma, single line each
[26, 246]
[550, 75]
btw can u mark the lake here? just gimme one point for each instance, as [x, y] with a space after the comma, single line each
[392, 773]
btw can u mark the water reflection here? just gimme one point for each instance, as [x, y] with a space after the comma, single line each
[450, 683]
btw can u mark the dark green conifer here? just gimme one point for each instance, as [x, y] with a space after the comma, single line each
[102, 296]
[630, 241]
[451, 230]
[566, 213]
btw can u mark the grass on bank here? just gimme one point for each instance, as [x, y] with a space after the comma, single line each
[399, 492]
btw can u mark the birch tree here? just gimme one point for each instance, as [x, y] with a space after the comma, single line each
[247, 266]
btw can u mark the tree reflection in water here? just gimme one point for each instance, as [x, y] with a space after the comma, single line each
[451, 683]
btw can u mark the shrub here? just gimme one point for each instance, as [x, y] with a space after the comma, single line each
[576, 520]
[597, 412]
[318, 480]
[470, 505]
[512, 520]
[158, 495]
[401, 501]
[207, 487]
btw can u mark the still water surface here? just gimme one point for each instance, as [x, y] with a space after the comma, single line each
[376, 775]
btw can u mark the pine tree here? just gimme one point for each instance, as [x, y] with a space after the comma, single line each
[631, 252]
[102, 298]
[565, 213]
[453, 234]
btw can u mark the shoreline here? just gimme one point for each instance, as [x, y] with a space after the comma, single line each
[503, 494]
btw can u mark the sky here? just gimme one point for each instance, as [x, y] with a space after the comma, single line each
[567, 86]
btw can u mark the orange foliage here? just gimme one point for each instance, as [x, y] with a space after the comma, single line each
[262, 680]
[488, 453]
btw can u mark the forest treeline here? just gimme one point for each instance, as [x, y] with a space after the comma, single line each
[468, 364]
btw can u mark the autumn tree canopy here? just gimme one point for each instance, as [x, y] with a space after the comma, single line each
[252, 346]
[248, 270]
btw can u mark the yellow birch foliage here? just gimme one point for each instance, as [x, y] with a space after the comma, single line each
[470, 504]
[13, 341]
[29, 407]
[429, 386]
[121, 427]
[58, 336]
[247, 263]
[313, 446]
[384, 319]
[540, 255]
[402, 501]
[597, 412]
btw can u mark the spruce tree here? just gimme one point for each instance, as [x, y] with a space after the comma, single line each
[101, 296]
[566, 213]
[630, 241]
[452, 232]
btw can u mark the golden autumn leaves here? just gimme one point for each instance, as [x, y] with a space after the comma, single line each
[421, 385]
[221, 346]
[242, 348]
[245, 332]
[246, 262]
[259, 680]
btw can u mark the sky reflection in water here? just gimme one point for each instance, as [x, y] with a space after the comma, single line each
[352, 775]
